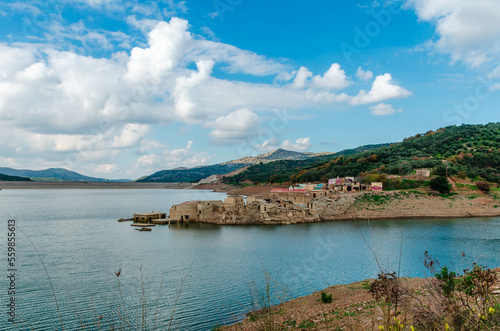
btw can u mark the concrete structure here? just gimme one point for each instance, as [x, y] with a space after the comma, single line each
[148, 217]
[347, 184]
[377, 186]
[423, 172]
[254, 198]
[311, 187]
[300, 196]
[234, 201]
[315, 194]
[268, 207]
[193, 210]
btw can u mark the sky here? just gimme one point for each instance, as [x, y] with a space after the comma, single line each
[121, 89]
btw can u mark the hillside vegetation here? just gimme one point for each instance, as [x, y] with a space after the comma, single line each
[282, 171]
[8, 178]
[467, 151]
[201, 172]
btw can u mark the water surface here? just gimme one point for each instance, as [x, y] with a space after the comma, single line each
[201, 274]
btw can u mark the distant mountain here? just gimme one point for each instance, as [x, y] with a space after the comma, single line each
[277, 154]
[198, 173]
[14, 178]
[54, 174]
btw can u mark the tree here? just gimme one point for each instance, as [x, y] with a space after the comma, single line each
[440, 184]
[483, 186]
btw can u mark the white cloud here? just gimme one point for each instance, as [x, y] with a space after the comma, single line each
[268, 145]
[168, 43]
[364, 75]
[383, 109]
[236, 126]
[83, 111]
[468, 31]
[301, 77]
[334, 78]
[382, 89]
[300, 145]
[185, 107]
[235, 59]
[106, 168]
[169, 159]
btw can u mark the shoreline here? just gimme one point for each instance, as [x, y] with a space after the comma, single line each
[403, 204]
[352, 307]
[8, 185]
[385, 205]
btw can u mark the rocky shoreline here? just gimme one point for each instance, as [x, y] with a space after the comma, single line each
[404, 204]
[352, 307]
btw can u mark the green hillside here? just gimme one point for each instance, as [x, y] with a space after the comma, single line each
[281, 171]
[201, 172]
[191, 175]
[8, 178]
[467, 150]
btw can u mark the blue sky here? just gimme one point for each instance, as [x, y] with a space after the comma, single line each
[120, 89]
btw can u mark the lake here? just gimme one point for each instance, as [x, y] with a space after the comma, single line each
[194, 276]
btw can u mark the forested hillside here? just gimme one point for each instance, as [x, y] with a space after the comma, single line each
[467, 151]
[8, 178]
[281, 171]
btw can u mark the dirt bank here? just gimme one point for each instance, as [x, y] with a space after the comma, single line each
[353, 308]
[410, 204]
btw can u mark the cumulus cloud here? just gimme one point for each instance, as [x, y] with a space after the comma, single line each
[300, 145]
[234, 127]
[383, 109]
[169, 159]
[301, 77]
[80, 111]
[334, 78]
[185, 107]
[468, 31]
[268, 145]
[364, 75]
[382, 89]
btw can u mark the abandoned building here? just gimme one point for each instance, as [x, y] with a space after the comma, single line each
[148, 217]
[300, 196]
[348, 184]
[194, 210]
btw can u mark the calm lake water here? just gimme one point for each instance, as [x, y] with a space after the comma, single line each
[201, 275]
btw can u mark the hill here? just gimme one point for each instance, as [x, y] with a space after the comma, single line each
[7, 178]
[201, 172]
[465, 151]
[282, 170]
[53, 174]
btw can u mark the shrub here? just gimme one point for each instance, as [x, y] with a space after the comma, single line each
[462, 175]
[483, 186]
[440, 184]
[326, 298]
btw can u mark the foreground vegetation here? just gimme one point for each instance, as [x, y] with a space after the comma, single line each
[446, 301]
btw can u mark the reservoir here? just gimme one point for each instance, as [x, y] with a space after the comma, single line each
[70, 248]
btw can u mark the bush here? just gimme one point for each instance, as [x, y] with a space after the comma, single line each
[440, 184]
[483, 186]
[326, 298]
[462, 175]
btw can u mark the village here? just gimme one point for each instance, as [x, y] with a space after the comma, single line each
[297, 204]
